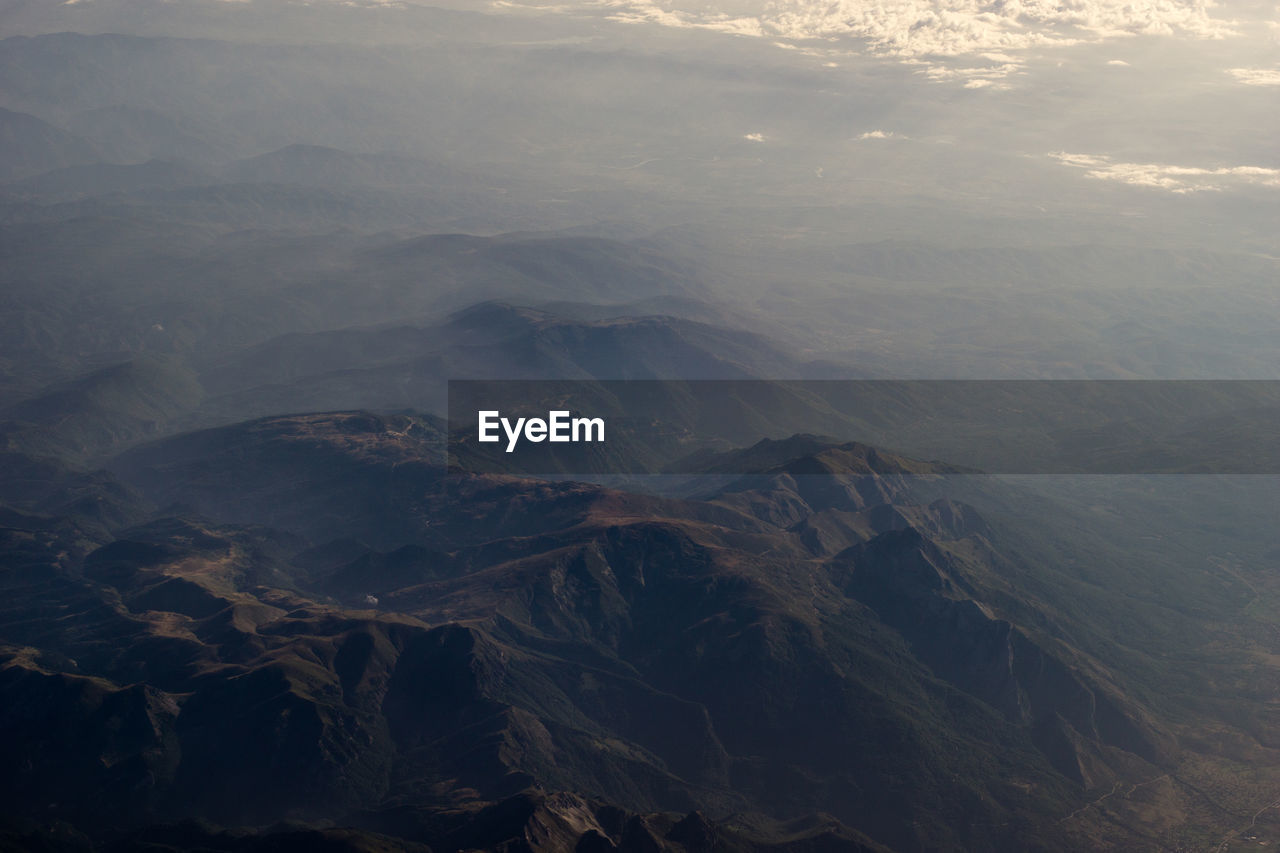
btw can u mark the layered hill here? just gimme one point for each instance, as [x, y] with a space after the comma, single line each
[381, 368]
[96, 289]
[30, 146]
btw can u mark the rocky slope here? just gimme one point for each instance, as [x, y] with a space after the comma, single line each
[499, 662]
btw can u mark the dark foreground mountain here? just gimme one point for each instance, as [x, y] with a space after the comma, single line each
[314, 639]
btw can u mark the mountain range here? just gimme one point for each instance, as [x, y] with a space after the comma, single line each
[262, 589]
[307, 617]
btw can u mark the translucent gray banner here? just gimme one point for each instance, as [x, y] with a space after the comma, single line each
[925, 426]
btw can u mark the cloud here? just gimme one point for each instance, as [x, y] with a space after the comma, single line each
[653, 13]
[1175, 179]
[1119, 62]
[973, 77]
[753, 137]
[877, 134]
[933, 33]
[941, 28]
[1256, 76]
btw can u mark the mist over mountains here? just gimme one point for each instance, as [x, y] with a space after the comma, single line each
[254, 599]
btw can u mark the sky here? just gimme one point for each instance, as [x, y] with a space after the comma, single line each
[818, 160]
[1141, 109]
[1204, 71]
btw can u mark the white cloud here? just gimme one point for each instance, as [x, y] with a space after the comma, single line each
[1256, 76]
[1118, 62]
[920, 28]
[1176, 179]
[754, 137]
[877, 134]
[933, 33]
[989, 72]
[973, 77]
[650, 12]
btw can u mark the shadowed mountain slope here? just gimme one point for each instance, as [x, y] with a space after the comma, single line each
[439, 664]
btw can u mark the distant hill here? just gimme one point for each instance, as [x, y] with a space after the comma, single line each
[317, 165]
[30, 146]
[96, 287]
[534, 267]
[110, 408]
[101, 178]
[405, 366]
[130, 134]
